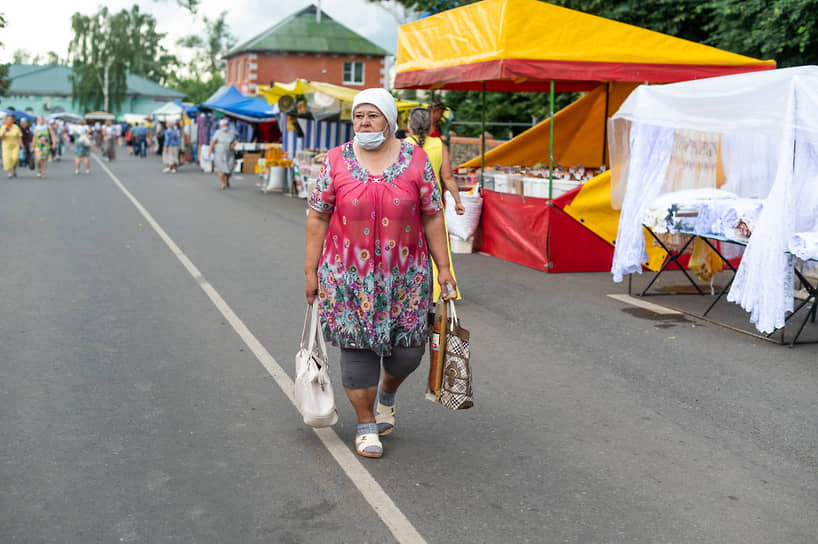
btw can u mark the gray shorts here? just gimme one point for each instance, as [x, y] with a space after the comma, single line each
[361, 368]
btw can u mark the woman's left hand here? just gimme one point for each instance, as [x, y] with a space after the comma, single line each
[459, 208]
[444, 277]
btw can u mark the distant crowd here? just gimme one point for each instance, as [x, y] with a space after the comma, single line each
[24, 144]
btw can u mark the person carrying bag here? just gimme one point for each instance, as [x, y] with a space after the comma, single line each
[313, 391]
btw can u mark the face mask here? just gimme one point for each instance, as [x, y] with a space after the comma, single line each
[369, 140]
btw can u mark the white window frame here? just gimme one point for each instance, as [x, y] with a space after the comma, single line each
[349, 66]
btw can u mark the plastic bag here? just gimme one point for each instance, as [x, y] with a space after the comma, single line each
[464, 226]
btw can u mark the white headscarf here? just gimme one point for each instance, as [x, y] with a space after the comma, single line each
[381, 99]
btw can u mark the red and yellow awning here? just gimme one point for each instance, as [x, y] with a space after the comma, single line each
[520, 45]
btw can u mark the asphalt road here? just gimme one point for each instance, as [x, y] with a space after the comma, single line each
[132, 411]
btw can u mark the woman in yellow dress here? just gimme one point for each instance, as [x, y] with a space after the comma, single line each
[418, 125]
[12, 140]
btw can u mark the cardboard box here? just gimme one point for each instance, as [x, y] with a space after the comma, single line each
[250, 162]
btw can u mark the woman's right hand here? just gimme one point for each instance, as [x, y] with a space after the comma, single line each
[311, 286]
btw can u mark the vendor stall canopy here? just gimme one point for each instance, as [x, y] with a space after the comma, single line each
[323, 100]
[754, 135]
[229, 101]
[519, 45]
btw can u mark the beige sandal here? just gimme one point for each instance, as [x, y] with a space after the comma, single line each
[368, 445]
[385, 418]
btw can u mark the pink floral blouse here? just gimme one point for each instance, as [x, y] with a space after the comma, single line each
[375, 274]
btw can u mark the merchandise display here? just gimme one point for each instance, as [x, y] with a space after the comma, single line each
[534, 181]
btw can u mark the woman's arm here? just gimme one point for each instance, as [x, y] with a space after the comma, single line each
[435, 230]
[447, 177]
[317, 227]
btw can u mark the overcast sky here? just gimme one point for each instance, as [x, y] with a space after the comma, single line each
[42, 32]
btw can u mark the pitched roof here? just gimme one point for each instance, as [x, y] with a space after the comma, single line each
[53, 79]
[300, 32]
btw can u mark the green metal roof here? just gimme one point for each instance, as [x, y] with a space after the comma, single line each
[300, 32]
[52, 79]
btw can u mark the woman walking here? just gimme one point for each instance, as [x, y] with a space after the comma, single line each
[12, 138]
[418, 127]
[110, 133]
[41, 145]
[221, 148]
[375, 217]
[82, 146]
[170, 153]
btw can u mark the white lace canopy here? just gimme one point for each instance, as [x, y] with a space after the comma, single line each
[767, 126]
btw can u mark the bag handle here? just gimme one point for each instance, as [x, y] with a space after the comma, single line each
[315, 332]
[452, 314]
[307, 316]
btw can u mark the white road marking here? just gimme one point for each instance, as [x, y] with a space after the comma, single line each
[390, 514]
[655, 308]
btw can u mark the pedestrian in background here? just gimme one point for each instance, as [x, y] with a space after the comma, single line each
[221, 149]
[41, 145]
[110, 133]
[27, 136]
[82, 146]
[160, 137]
[140, 133]
[12, 140]
[170, 154]
[418, 126]
[375, 216]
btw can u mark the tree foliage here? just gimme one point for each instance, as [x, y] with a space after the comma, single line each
[4, 68]
[118, 43]
[206, 71]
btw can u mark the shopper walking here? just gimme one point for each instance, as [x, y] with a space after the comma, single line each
[375, 217]
[170, 154]
[12, 141]
[418, 125]
[110, 135]
[41, 145]
[140, 133]
[221, 149]
[27, 136]
[82, 146]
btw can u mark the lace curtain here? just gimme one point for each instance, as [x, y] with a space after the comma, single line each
[763, 284]
[749, 161]
[650, 150]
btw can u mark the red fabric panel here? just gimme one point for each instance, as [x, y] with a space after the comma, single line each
[566, 198]
[269, 132]
[514, 228]
[573, 248]
[471, 76]
[530, 232]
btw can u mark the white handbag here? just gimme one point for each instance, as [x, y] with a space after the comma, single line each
[313, 390]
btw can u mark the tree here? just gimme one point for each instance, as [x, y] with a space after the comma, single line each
[21, 56]
[4, 68]
[208, 50]
[106, 47]
[210, 47]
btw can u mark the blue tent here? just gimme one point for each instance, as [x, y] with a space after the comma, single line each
[18, 114]
[229, 101]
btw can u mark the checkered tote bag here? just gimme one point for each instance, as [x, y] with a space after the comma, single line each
[455, 390]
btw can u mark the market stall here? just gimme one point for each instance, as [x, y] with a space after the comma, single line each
[500, 45]
[316, 116]
[732, 159]
[255, 121]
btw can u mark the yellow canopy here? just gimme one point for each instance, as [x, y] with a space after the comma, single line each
[579, 137]
[321, 94]
[521, 44]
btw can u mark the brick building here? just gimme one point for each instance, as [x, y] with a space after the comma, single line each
[308, 44]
